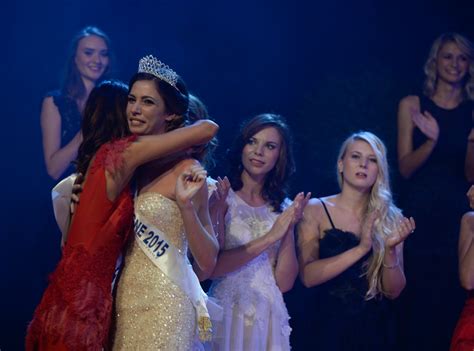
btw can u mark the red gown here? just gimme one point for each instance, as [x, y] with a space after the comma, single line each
[463, 337]
[75, 310]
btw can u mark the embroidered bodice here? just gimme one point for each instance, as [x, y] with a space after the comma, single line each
[254, 280]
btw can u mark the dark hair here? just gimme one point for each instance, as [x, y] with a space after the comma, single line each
[275, 189]
[104, 119]
[72, 84]
[176, 99]
[197, 111]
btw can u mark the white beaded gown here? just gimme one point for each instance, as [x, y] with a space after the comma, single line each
[255, 314]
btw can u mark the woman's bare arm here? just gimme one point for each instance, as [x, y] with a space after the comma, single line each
[409, 160]
[57, 158]
[469, 162]
[466, 251]
[286, 269]
[313, 270]
[202, 242]
[151, 147]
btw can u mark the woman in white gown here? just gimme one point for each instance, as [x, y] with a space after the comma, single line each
[257, 261]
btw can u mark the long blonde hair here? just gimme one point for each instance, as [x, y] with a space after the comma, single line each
[380, 199]
[431, 73]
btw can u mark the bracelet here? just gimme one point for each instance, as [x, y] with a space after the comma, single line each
[395, 265]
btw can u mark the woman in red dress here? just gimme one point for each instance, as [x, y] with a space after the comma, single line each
[75, 310]
[463, 337]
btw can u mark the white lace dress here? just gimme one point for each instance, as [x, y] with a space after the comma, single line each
[255, 315]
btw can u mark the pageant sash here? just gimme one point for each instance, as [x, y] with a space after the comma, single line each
[159, 249]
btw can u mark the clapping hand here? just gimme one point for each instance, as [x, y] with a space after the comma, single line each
[426, 123]
[367, 231]
[405, 227]
[219, 195]
[300, 201]
[290, 216]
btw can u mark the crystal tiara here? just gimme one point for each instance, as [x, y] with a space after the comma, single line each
[150, 64]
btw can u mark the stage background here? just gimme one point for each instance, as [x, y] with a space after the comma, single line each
[331, 67]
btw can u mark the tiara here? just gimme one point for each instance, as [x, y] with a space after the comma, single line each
[150, 64]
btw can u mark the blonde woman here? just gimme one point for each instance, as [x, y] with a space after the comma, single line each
[351, 245]
[436, 158]
[448, 91]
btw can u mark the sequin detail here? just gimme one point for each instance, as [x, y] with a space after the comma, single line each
[152, 313]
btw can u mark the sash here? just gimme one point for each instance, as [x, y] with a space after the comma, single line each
[159, 249]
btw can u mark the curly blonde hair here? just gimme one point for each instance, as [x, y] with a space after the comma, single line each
[380, 199]
[430, 69]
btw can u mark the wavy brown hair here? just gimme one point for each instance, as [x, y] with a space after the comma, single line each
[275, 189]
[72, 84]
[104, 120]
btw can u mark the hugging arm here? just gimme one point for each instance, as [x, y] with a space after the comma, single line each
[151, 147]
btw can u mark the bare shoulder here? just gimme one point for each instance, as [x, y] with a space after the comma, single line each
[409, 101]
[313, 210]
[49, 108]
[48, 100]
[314, 205]
[329, 201]
[308, 227]
[468, 219]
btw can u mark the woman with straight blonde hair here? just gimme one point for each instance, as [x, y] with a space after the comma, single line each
[351, 245]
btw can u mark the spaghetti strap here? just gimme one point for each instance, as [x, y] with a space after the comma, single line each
[327, 212]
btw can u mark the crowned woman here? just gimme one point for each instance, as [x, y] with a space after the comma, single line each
[160, 304]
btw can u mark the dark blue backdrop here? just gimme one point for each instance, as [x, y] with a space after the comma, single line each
[330, 67]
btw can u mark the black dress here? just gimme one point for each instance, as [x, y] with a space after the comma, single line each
[345, 319]
[435, 197]
[70, 120]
